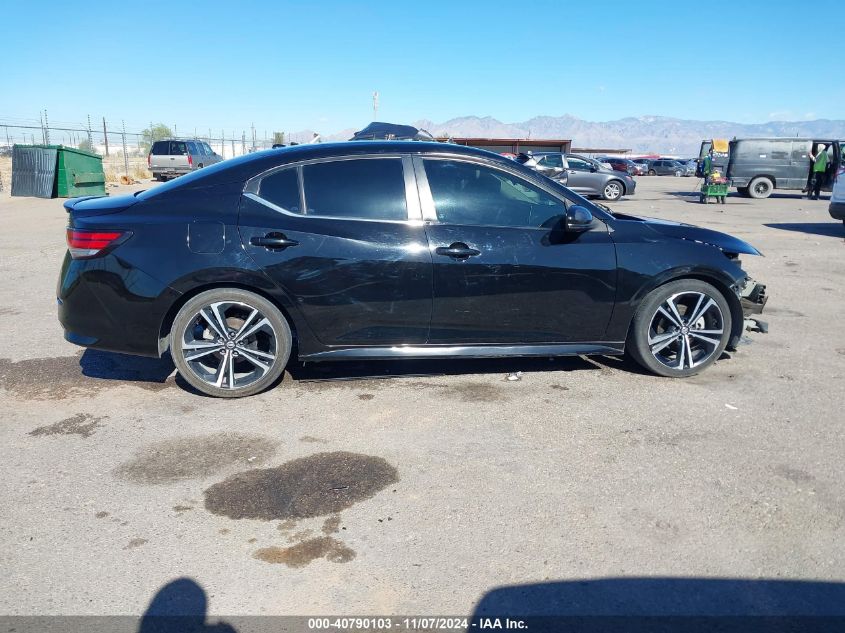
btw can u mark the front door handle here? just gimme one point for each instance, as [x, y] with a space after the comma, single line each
[273, 241]
[458, 250]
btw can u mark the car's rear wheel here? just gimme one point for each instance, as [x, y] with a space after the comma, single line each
[613, 190]
[678, 173]
[651, 172]
[680, 328]
[760, 187]
[229, 342]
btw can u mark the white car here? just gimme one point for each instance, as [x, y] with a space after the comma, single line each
[837, 196]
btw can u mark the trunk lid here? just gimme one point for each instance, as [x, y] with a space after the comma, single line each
[91, 205]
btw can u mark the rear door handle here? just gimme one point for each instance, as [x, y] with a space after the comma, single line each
[273, 241]
[458, 250]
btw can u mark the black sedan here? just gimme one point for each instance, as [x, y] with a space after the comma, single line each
[384, 250]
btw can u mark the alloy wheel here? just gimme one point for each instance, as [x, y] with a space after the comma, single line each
[229, 344]
[612, 191]
[686, 330]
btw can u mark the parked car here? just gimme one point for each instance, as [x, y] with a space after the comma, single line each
[173, 157]
[688, 164]
[643, 163]
[387, 250]
[837, 196]
[622, 164]
[581, 174]
[665, 167]
[758, 166]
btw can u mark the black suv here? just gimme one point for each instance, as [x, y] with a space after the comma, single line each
[386, 250]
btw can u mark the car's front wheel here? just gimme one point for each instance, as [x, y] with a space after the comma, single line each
[229, 342]
[613, 190]
[651, 172]
[680, 328]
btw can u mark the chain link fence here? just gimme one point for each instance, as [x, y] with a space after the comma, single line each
[123, 146]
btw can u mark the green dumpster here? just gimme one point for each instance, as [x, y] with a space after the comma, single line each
[79, 173]
[48, 171]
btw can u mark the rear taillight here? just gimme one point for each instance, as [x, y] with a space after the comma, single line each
[190, 161]
[84, 244]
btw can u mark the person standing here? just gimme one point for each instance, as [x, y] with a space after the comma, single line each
[819, 170]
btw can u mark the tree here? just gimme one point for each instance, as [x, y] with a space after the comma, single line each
[153, 134]
[85, 146]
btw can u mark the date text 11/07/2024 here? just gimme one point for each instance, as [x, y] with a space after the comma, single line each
[413, 624]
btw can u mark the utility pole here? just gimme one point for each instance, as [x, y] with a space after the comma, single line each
[375, 106]
[90, 138]
[105, 136]
[125, 156]
[252, 127]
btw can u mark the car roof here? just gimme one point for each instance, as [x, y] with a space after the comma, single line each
[242, 168]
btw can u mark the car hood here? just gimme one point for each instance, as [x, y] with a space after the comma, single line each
[681, 231]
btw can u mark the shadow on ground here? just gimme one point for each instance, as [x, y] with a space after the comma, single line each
[113, 366]
[828, 229]
[180, 606]
[154, 371]
[670, 604]
[351, 370]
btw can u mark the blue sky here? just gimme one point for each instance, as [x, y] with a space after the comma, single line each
[314, 65]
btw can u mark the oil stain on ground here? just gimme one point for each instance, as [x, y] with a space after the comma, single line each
[307, 551]
[317, 485]
[81, 375]
[82, 424]
[195, 457]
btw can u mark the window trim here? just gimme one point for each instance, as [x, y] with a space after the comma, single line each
[412, 199]
[427, 199]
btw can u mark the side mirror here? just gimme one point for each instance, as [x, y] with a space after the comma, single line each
[578, 219]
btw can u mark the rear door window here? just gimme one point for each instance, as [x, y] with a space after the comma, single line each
[367, 189]
[551, 160]
[208, 150]
[192, 148]
[578, 164]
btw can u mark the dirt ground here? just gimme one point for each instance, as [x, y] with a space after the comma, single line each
[421, 487]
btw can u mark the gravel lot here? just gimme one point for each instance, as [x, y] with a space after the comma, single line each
[422, 491]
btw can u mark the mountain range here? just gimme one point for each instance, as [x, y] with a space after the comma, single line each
[645, 134]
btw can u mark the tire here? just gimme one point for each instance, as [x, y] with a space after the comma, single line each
[657, 343]
[760, 188]
[159, 177]
[651, 172]
[678, 174]
[612, 190]
[205, 337]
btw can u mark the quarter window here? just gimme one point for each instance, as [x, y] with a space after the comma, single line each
[370, 189]
[282, 189]
[470, 194]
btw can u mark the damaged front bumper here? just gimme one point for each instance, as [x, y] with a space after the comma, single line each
[753, 299]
